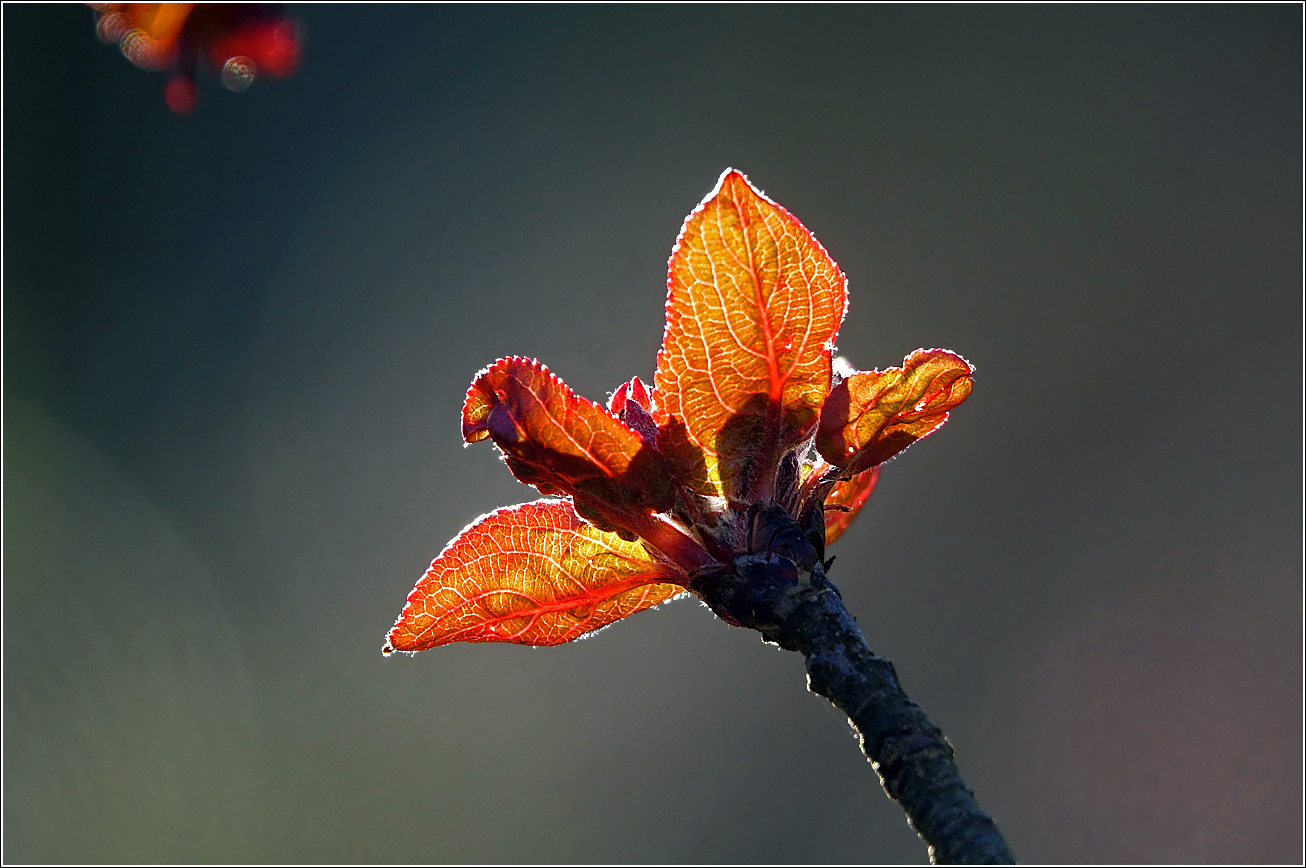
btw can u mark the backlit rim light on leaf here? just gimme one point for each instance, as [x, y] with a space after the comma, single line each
[661, 485]
[532, 574]
[754, 302]
[871, 416]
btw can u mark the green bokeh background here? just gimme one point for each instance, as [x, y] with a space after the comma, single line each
[236, 343]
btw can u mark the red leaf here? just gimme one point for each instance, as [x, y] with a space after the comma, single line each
[631, 403]
[560, 442]
[533, 574]
[753, 304]
[873, 415]
[852, 494]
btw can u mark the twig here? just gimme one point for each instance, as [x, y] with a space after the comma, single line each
[800, 610]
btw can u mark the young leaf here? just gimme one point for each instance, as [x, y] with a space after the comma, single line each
[533, 574]
[873, 415]
[753, 304]
[630, 403]
[851, 495]
[560, 442]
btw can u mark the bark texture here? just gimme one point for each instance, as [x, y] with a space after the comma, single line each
[796, 607]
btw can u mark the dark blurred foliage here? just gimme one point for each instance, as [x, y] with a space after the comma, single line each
[236, 342]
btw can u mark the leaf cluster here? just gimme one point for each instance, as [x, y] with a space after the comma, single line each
[746, 444]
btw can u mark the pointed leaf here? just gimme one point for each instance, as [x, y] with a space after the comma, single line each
[533, 574]
[852, 494]
[630, 403]
[753, 305]
[873, 415]
[560, 442]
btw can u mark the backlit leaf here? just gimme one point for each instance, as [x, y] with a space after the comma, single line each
[560, 442]
[753, 304]
[851, 495]
[631, 403]
[873, 415]
[533, 574]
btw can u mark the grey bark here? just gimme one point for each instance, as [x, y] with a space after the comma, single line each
[800, 610]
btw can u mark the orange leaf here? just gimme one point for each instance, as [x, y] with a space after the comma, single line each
[533, 574]
[873, 415]
[852, 494]
[753, 305]
[560, 442]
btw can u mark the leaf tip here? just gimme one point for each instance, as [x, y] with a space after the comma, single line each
[871, 416]
[481, 400]
[923, 354]
[389, 649]
[617, 403]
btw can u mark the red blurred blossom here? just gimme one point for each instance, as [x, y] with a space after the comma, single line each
[237, 42]
[181, 94]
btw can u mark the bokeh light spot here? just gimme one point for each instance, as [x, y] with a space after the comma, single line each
[238, 73]
[142, 51]
[181, 94]
[112, 27]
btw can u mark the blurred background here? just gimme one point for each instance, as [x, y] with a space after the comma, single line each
[236, 344]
